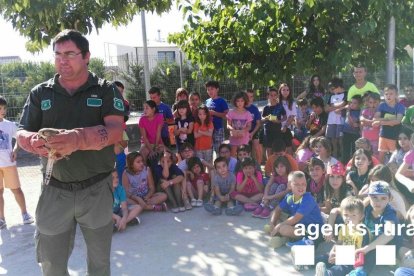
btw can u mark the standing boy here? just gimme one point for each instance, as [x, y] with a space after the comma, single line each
[388, 116]
[256, 123]
[165, 110]
[336, 115]
[351, 128]
[8, 171]
[218, 109]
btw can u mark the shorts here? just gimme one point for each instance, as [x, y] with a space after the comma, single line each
[256, 135]
[386, 145]
[9, 178]
[334, 131]
[287, 137]
[203, 177]
[269, 138]
[206, 155]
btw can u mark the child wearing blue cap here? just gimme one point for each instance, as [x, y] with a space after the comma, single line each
[379, 215]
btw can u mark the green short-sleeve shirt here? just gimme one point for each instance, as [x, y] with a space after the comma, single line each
[50, 105]
[369, 86]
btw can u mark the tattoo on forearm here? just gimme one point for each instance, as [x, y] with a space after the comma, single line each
[103, 133]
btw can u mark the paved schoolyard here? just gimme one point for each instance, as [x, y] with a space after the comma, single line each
[189, 243]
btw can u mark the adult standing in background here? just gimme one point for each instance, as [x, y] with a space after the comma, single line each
[361, 85]
[88, 112]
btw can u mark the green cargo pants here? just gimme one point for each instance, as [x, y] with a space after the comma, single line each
[57, 214]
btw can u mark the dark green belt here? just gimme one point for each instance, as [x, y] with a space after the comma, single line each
[76, 186]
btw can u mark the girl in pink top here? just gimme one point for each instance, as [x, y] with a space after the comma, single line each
[367, 117]
[239, 122]
[249, 185]
[150, 125]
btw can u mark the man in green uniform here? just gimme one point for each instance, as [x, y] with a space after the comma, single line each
[88, 113]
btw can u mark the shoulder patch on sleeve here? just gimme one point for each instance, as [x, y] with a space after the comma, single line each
[119, 104]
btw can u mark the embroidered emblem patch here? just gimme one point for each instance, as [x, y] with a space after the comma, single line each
[119, 104]
[93, 102]
[45, 105]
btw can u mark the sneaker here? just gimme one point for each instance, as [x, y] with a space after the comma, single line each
[199, 203]
[217, 211]
[234, 211]
[182, 209]
[187, 205]
[303, 241]
[267, 228]
[2, 224]
[265, 213]
[209, 207]
[134, 221]
[27, 218]
[193, 202]
[277, 241]
[175, 210]
[320, 269]
[258, 211]
[249, 207]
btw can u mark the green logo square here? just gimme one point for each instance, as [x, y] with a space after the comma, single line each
[119, 104]
[45, 105]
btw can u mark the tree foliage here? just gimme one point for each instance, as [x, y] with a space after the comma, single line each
[41, 20]
[270, 40]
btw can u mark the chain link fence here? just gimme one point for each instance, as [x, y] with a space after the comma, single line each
[16, 80]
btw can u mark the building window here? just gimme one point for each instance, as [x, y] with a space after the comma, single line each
[166, 56]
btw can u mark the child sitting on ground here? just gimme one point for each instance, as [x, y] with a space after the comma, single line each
[249, 185]
[279, 149]
[169, 178]
[121, 215]
[379, 215]
[139, 185]
[406, 252]
[276, 188]
[225, 151]
[244, 151]
[336, 188]
[304, 153]
[301, 209]
[352, 211]
[316, 182]
[197, 181]
[223, 184]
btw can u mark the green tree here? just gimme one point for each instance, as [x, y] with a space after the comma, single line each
[134, 85]
[97, 66]
[18, 79]
[41, 20]
[268, 41]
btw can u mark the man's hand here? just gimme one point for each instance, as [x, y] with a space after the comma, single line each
[32, 142]
[64, 143]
